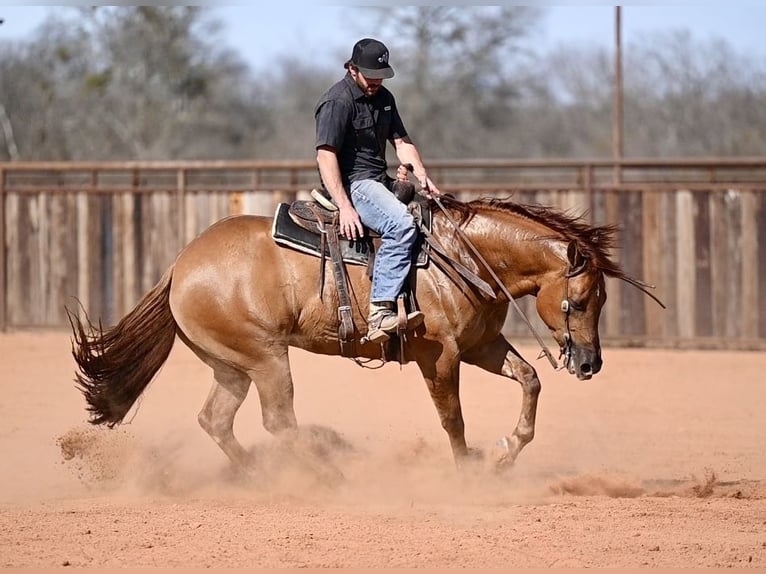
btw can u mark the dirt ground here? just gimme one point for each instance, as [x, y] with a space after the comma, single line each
[657, 461]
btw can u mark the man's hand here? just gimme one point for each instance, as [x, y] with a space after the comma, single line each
[426, 185]
[350, 225]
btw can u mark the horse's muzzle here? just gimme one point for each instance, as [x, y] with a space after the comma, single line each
[584, 362]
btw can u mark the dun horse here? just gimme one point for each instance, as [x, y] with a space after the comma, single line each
[239, 301]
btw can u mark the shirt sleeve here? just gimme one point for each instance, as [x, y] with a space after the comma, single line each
[397, 125]
[332, 118]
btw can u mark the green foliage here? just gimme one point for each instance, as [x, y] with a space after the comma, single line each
[97, 82]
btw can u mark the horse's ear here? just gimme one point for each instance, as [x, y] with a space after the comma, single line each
[573, 254]
[577, 261]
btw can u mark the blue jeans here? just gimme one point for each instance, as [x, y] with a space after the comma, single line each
[381, 211]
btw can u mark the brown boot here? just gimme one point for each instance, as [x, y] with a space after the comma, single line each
[383, 321]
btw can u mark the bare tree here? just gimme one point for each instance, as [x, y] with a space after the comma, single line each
[158, 83]
[131, 82]
[456, 65]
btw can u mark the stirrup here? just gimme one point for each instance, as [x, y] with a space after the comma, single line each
[375, 331]
[376, 334]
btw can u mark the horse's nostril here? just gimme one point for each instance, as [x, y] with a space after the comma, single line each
[597, 366]
[585, 368]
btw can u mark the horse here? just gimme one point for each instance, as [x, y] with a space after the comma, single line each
[239, 301]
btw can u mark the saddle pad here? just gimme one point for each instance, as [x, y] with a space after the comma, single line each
[287, 233]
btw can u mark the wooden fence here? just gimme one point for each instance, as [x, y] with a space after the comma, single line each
[101, 234]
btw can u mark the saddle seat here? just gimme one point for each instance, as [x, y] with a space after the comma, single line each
[303, 225]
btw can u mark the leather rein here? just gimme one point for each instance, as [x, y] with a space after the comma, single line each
[544, 349]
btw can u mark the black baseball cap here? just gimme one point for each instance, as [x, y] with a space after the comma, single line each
[371, 57]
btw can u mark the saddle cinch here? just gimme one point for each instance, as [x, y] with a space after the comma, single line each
[311, 226]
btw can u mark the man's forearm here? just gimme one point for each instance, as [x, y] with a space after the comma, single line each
[330, 172]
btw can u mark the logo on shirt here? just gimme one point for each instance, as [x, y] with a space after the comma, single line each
[387, 109]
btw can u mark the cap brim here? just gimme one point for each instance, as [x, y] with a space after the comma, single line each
[380, 74]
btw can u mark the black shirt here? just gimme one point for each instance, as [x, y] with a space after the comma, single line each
[358, 127]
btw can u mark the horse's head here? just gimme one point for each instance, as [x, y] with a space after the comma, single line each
[570, 304]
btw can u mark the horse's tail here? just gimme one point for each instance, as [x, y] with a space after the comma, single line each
[116, 365]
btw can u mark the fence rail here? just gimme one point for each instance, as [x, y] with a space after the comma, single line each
[101, 233]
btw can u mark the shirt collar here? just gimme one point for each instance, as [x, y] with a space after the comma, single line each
[355, 90]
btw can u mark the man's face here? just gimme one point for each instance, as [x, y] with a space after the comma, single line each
[369, 86]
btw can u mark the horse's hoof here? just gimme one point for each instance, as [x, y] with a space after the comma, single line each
[506, 459]
[504, 463]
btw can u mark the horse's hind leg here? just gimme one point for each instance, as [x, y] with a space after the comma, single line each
[222, 404]
[274, 382]
[500, 357]
[272, 378]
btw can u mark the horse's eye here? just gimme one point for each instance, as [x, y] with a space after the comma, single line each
[577, 305]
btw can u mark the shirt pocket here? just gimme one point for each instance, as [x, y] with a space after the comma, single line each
[383, 125]
[364, 129]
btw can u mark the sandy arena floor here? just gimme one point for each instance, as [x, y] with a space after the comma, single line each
[658, 461]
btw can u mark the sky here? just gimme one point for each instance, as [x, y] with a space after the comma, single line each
[263, 32]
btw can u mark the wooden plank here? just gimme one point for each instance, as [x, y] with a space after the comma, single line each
[127, 242]
[236, 203]
[633, 319]
[147, 229]
[668, 266]
[719, 263]
[83, 268]
[611, 313]
[260, 204]
[703, 300]
[95, 230]
[14, 280]
[200, 213]
[653, 247]
[732, 308]
[166, 229]
[117, 278]
[39, 267]
[685, 299]
[751, 308]
[190, 217]
[60, 281]
[108, 257]
[137, 244]
[156, 236]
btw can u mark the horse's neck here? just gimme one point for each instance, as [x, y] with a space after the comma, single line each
[520, 251]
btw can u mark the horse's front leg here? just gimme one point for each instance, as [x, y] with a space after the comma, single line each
[443, 380]
[500, 357]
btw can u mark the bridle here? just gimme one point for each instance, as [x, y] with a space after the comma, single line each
[566, 308]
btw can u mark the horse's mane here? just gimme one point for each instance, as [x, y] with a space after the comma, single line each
[594, 241]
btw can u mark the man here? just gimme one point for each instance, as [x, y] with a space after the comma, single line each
[354, 120]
